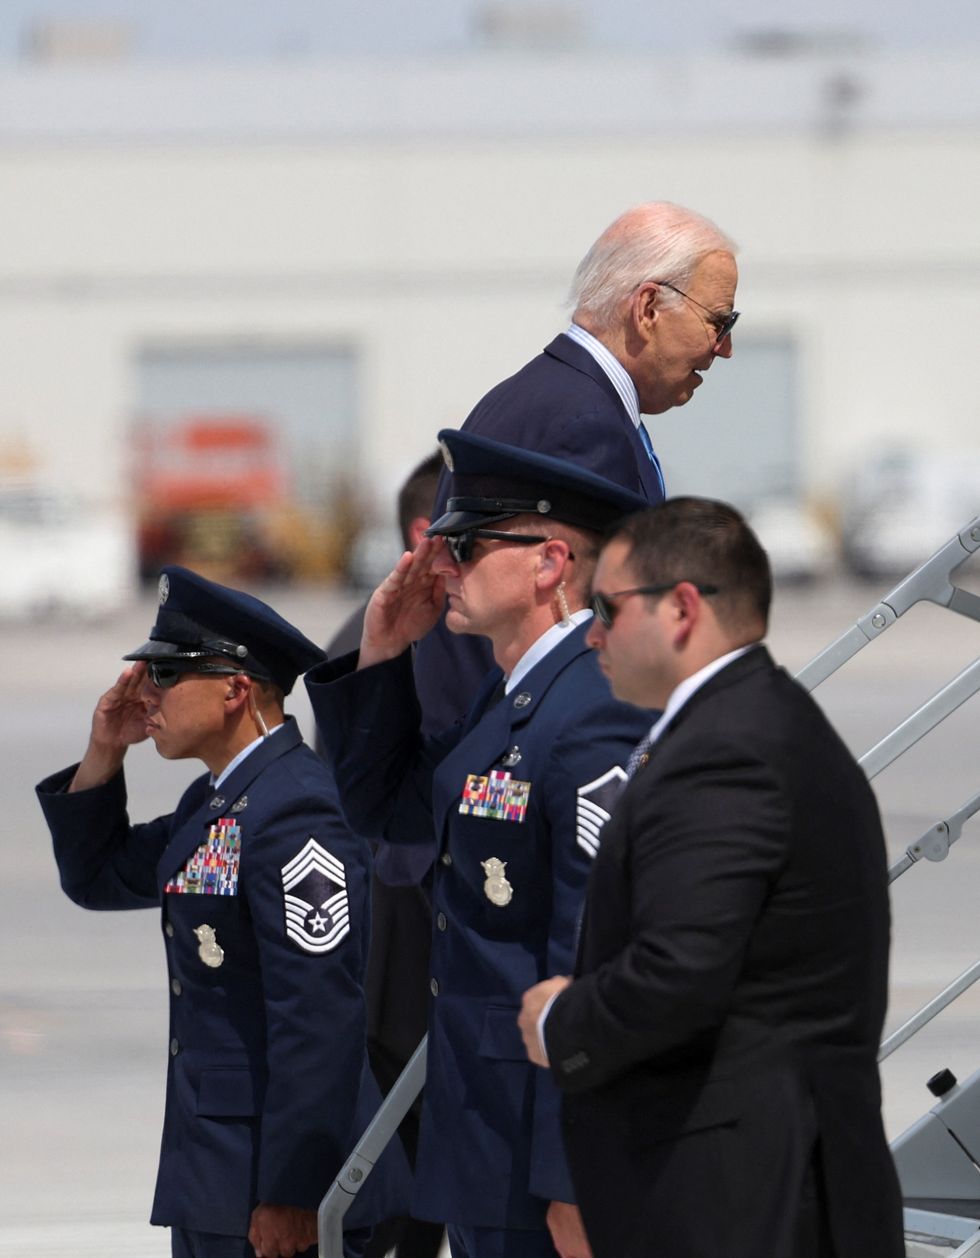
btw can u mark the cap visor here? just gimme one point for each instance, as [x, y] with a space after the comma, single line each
[459, 521]
[159, 650]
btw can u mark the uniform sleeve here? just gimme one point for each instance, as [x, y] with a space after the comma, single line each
[369, 725]
[305, 878]
[104, 862]
[584, 776]
[705, 847]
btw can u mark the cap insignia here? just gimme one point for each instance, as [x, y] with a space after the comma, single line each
[447, 456]
[164, 588]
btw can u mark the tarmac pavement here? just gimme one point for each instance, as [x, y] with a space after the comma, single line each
[83, 1004]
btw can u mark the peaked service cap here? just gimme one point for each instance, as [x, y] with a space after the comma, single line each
[491, 481]
[198, 617]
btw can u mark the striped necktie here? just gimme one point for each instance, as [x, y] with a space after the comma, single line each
[638, 756]
[648, 446]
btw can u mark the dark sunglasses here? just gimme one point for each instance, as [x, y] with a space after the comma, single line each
[164, 674]
[460, 545]
[722, 323]
[605, 611]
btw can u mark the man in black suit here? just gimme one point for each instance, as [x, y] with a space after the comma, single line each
[652, 310]
[717, 1046]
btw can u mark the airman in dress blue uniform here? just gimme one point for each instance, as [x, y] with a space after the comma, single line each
[516, 800]
[265, 915]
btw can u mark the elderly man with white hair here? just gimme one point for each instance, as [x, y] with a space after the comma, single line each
[652, 309]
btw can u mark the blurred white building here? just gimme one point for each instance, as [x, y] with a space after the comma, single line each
[355, 250]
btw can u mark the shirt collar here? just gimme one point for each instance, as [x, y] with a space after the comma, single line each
[539, 649]
[618, 375]
[245, 751]
[689, 686]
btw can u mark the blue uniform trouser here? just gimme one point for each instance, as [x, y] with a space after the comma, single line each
[188, 1244]
[492, 1242]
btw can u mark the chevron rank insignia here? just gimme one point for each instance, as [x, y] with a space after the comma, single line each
[594, 802]
[314, 886]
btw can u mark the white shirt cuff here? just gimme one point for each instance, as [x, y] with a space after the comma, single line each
[541, 1019]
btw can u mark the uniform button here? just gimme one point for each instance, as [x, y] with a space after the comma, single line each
[434, 986]
[446, 859]
[174, 1048]
[441, 921]
[175, 986]
[168, 930]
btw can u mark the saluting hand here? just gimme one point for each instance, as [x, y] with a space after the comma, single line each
[118, 722]
[404, 607]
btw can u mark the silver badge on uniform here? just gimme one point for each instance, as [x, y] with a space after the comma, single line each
[210, 951]
[496, 888]
[512, 757]
[239, 804]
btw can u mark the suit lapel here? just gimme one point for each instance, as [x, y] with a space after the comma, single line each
[574, 355]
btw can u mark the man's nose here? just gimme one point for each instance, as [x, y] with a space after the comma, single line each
[595, 634]
[443, 563]
[724, 347]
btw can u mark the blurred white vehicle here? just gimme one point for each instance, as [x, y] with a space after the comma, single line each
[800, 545]
[57, 557]
[903, 505]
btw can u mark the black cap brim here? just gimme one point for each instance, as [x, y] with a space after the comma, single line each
[454, 522]
[163, 651]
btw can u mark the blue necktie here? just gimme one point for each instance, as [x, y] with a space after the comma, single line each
[648, 446]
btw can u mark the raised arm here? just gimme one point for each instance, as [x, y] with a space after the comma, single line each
[404, 607]
[118, 722]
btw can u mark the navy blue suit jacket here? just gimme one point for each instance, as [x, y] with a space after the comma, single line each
[563, 404]
[268, 1085]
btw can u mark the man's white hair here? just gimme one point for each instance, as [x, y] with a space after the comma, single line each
[656, 241]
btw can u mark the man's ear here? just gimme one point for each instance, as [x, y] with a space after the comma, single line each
[688, 609]
[645, 304]
[553, 565]
[237, 691]
[416, 530]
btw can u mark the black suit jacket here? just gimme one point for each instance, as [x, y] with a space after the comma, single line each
[561, 403]
[717, 1050]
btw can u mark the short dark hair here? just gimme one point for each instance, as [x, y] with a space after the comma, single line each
[708, 543]
[418, 494]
